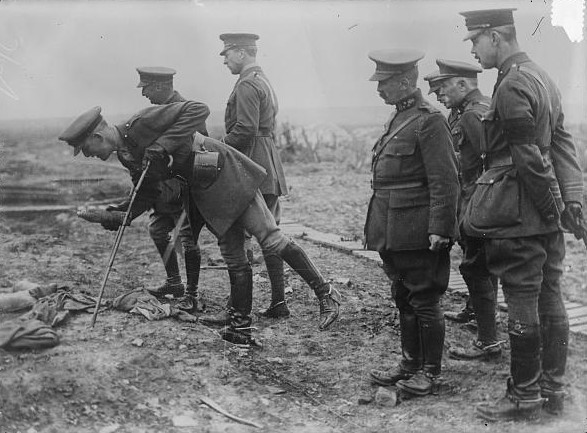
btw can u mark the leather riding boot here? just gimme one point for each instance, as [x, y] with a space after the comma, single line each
[411, 344]
[328, 297]
[278, 307]
[173, 285]
[426, 381]
[192, 301]
[525, 365]
[510, 407]
[555, 339]
[483, 301]
[411, 353]
[218, 319]
[239, 330]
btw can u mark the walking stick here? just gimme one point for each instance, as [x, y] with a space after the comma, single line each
[117, 242]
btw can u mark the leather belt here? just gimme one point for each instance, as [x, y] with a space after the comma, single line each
[378, 184]
[502, 159]
[499, 160]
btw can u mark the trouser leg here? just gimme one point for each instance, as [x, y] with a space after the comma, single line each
[518, 262]
[424, 276]
[554, 326]
[260, 223]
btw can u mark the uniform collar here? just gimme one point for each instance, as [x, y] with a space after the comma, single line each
[409, 101]
[175, 97]
[248, 69]
[472, 96]
[511, 62]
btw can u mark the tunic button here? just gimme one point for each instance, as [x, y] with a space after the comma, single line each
[127, 125]
[125, 136]
[491, 181]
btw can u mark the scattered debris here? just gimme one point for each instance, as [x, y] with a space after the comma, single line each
[138, 342]
[218, 409]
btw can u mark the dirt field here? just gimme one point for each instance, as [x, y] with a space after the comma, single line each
[103, 380]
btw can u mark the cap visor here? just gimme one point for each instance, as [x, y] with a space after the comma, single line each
[141, 84]
[77, 149]
[472, 34]
[433, 90]
[223, 52]
[380, 76]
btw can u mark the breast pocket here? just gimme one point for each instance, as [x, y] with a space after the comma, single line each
[396, 154]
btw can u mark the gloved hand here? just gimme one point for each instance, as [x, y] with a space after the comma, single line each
[122, 207]
[572, 217]
[157, 155]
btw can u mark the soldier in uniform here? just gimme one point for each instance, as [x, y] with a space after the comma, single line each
[250, 128]
[458, 90]
[412, 218]
[532, 181]
[225, 198]
[156, 84]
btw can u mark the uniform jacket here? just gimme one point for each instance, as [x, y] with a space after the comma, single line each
[170, 201]
[467, 131]
[415, 180]
[250, 126]
[172, 126]
[531, 165]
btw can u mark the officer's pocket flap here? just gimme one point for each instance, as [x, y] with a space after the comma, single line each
[492, 176]
[397, 147]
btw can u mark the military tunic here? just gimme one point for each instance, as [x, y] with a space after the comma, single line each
[168, 206]
[531, 163]
[415, 183]
[172, 126]
[531, 168]
[467, 132]
[250, 124]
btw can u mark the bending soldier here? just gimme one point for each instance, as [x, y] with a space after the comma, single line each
[226, 199]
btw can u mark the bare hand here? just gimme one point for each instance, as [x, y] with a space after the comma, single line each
[438, 243]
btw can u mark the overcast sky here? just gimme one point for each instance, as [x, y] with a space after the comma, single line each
[61, 58]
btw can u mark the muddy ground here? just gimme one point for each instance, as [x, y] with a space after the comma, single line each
[303, 380]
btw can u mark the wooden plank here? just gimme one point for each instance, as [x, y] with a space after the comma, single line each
[577, 312]
[371, 255]
[578, 321]
[331, 240]
[579, 329]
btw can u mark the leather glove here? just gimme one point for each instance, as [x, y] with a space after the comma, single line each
[122, 207]
[157, 155]
[572, 217]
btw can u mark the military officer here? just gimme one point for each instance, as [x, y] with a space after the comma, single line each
[458, 89]
[412, 218]
[224, 197]
[250, 128]
[531, 178]
[156, 84]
